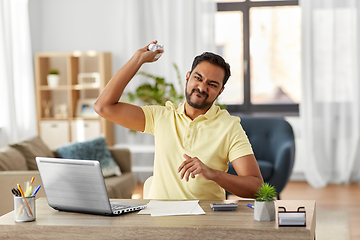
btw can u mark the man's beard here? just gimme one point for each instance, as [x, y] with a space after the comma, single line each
[203, 105]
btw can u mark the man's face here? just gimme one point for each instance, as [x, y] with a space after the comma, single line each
[204, 85]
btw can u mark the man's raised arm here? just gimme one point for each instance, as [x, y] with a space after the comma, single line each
[108, 105]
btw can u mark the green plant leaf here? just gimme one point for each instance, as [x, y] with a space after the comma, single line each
[53, 71]
[158, 92]
[266, 193]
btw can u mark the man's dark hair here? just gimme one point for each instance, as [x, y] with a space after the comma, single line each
[213, 59]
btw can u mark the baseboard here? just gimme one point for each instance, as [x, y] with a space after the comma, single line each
[297, 176]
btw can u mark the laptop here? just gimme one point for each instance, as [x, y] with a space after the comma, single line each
[78, 186]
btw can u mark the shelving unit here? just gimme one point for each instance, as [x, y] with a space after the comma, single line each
[59, 119]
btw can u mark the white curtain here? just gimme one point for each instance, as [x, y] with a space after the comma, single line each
[330, 107]
[17, 94]
[184, 27]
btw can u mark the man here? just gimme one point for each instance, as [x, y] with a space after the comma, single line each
[193, 141]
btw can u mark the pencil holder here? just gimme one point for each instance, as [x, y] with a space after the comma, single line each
[24, 209]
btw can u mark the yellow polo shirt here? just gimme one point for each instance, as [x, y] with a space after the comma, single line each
[215, 138]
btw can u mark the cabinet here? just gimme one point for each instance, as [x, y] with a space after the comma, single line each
[85, 129]
[49, 129]
[64, 108]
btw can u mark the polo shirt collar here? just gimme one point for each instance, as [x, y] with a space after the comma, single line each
[181, 108]
[209, 114]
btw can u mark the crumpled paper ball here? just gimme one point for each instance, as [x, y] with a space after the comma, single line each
[153, 47]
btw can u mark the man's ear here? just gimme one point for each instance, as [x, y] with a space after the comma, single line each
[187, 76]
[222, 89]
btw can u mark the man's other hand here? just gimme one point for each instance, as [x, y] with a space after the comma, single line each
[192, 167]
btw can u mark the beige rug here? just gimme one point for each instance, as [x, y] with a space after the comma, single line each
[332, 225]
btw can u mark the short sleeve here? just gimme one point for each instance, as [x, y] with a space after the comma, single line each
[151, 114]
[239, 143]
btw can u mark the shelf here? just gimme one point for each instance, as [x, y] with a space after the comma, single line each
[84, 87]
[69, 97]
[53, 119]
[85, 119]
[66, 87]
[47, 88]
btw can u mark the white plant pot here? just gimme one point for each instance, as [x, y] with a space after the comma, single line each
[264, 211]
[53, 80]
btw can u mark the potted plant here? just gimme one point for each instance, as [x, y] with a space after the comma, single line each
[53, 78]
[264, 203]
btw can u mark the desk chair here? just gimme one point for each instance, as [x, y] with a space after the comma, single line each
[146, 187]
[273, 144]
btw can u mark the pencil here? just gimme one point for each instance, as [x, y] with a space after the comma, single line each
[20, 189]
[19, 211]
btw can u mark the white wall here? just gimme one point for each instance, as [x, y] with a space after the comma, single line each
[78, 25]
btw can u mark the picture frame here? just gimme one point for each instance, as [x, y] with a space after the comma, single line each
[85, 108]
[89, 79]
[61, 111]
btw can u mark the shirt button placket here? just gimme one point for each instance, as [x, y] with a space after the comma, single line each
[191, 130]
[189, 136]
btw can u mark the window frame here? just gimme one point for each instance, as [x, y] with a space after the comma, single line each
[247, 107]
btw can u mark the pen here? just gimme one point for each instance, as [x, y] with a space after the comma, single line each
[22, 194]
[36, 190]
[32, 180]
[250, 206]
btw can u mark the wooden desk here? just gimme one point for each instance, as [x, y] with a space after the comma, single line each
[239, 224]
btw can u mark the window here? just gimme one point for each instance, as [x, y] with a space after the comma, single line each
[262, 43]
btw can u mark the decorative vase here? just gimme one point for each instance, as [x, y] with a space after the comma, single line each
[53, 80]
[264, 211]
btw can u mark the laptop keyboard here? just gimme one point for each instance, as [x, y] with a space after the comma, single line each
[123, 208]
[119, 207]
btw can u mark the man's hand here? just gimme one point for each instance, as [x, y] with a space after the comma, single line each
[192, 167]
[145, 55]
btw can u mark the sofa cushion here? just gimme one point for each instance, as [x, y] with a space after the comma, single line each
[12, 160]
[122, 157]
[94, 149]
[31, 149]
[121, 187]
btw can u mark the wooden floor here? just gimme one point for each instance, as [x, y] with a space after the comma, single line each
[330, 198]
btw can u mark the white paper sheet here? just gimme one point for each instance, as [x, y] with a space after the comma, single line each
[172, 208]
